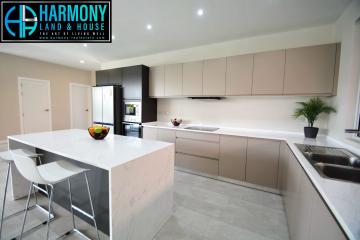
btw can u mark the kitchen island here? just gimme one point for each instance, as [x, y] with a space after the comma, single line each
[131, 179]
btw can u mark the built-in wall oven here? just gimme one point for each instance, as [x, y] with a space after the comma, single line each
[132, 118]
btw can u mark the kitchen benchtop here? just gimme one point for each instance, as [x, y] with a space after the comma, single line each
[342, 198]
[77, 144]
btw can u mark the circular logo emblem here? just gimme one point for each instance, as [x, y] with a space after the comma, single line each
[21, 21]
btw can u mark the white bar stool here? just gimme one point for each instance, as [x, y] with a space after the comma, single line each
[50, 174]
[7, 157]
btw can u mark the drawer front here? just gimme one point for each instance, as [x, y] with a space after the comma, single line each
[198, 136]
[198, 148]
[199, 164]
[166, 135]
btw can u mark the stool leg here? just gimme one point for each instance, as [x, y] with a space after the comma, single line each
[71, 204]
[51, 193]
[26, 210]
[91, 205]
[4, 200]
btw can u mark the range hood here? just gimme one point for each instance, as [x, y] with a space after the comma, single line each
[207, 98]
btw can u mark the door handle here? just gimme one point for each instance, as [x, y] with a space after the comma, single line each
[47, 110]
[86, 110]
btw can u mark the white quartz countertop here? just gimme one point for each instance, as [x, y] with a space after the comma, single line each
[78, 145]
[342, 198]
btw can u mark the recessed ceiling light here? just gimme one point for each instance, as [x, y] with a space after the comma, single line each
[200, 12]
[82, 61]
[113, 37]
[149, 27]
[85, 45]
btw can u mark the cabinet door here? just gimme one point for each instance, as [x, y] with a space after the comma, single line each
[262, 162]
[132, 82]
[310, 70]
[214, 77]
[323, 225]
[173, 80]
[199, 164]
[198, 148]
[157, 81]
[232, 160]
[193, 78]
[115, 76]
[268, 78]
[102, 78]
[149, 133]
[239, 75]
[166, 135]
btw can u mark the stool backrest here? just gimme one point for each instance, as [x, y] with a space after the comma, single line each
[27, 168]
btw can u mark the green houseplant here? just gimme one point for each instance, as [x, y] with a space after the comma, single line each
[311, 110]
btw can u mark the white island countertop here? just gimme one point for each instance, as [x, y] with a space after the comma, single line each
[78, 145]
[341, 197]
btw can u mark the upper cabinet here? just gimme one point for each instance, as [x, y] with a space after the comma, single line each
[192, 78]
[173, 80]
[214, 77]
[310, 70]
[157, 81]
[239, 75]
[268, 78]
[305, 71]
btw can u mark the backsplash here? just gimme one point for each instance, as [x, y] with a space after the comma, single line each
[261, 112]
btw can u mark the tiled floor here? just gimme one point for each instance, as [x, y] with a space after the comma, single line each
[204, 209]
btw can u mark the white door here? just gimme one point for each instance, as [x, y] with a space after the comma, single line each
[35, 105]
[80, 98]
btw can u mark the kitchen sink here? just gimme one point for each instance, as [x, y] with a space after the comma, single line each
[336, 163]
[339, 172]
[202, 128]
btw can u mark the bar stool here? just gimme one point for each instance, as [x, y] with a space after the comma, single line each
[7, 158]
[50, 174]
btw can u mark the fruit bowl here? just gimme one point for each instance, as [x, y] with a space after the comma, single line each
[176, 122]
[98, 132]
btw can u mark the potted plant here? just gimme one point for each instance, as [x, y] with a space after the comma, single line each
[311, 110]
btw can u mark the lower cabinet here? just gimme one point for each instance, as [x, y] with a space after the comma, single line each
[232, 160]
[262, 162]
[199, 164]
[307, 214]
[150, 133]
[166, 135]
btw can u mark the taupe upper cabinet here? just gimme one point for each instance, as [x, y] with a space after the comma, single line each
[307, 71]
[262, 162]
[173, 80]
[214, 77]
[310, 70]
[239, 75]
[157, 81]
[193, 78]
[268, 78]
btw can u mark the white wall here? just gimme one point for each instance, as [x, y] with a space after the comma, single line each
[267, 112]
[251, 112]
[348, 88]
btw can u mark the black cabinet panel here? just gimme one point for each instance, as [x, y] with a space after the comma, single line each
[115, 76]
[102, 78]
[132, 82]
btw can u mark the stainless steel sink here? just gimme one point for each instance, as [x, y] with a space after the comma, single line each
[202, 128]
[336, 163]
[338, 172]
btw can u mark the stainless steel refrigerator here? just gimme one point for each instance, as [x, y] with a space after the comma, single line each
[107, 107]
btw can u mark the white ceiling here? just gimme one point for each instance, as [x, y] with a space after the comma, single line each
[176, 26]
